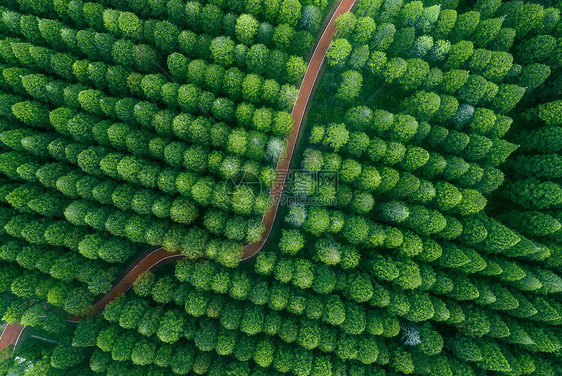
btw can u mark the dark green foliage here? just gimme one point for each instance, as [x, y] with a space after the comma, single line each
[397, 248]
[507, 98]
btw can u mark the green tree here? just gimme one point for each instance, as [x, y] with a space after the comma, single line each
[439, 50]
[336, 136]
[246, 28]
[283, 36]
[402, 361]
[252, 320]
[328, 252]
[338, 52]
[31, 113]
[384, 36]
[123, 347]
[459, 53]
[504, 40]
[492, 358]
[263, 353]
[291, 241]
[350, 87]
[415, 74]
[345, 24]
[334, 311]
[355, 229]
[166, 36]
[206, 337]
[64, 357]
[303, 275]
[296, 68]
[211, 19]
[551, 112]
[507, 98]
[324, 279]
[498, 66]
[466, 24]
[364, 29]
[256, 58]
[486, 31]
[423, 105]
[394, 69]
[171, 326]
[143, 353]
[287, 98]
[533, 76]
[466, 349]
[453, 80]
[360, 288]
[311, 18]
[222, 51]
[403, 40]
[289, 12]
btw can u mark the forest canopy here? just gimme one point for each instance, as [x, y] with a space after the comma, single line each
[420, 232]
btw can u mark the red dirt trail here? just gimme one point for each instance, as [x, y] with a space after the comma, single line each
[160, 256]
[11, 335]
[298, 112]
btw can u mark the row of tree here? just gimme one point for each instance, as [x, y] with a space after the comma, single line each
[103, 161]
[148, 115]
[58, 263]
[121, 137]
[94, 243]
[24, 288]
[128, 56]
[440, 119]
[209, 19]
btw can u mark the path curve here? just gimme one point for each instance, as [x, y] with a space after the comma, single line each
[298, 112]
[147, 262]
[11, 335]
[160, 256]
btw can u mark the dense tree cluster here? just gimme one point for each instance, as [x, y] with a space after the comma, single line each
[421, 234]
[413, 118]
[189, 112]
[130, 124]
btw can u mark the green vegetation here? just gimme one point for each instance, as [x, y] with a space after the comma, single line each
[420, 229]
[141, 121]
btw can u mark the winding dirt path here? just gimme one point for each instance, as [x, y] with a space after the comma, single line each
[11, 335]
[147, 262]
[160, 256]
[299, 109]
